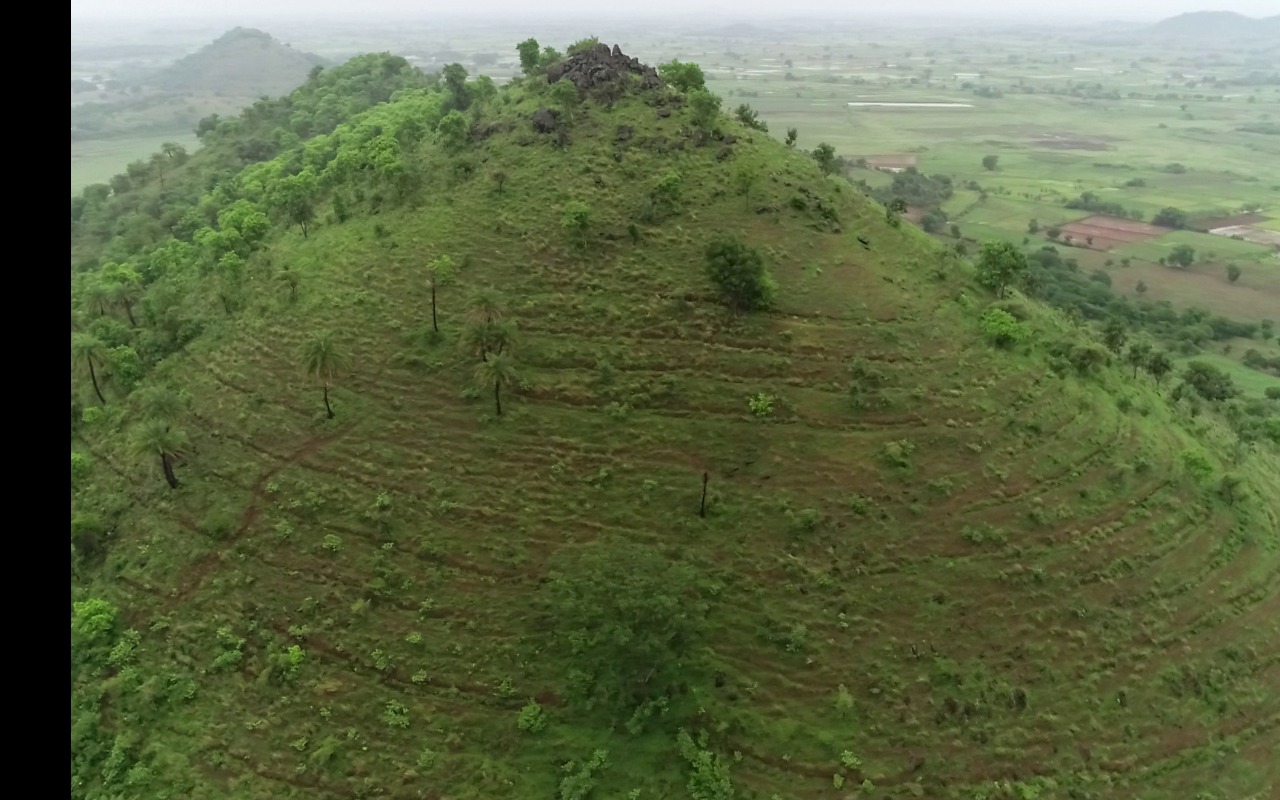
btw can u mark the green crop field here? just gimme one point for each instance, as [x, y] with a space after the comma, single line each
[96, 160]
[577, 439]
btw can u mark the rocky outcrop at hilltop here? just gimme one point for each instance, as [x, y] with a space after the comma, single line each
[603, 71]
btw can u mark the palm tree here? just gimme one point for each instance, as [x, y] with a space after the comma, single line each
[479, 339]
[486, 307]
[323, 359]
[155, 437]
[124, 293]
[158, 403]
[89, 354]
[96, 294]
[440, 273]
[498, 371]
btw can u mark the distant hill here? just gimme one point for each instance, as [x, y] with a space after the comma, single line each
[242, 62]
[1218, 23]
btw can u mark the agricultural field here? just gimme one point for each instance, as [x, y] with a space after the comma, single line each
[96, 160]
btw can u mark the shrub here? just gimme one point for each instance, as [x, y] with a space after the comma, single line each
[761, 405]
[738, 272]
[1002, 328]
[1197, 464]
[532, 718]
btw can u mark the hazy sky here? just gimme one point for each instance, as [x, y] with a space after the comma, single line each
[1129, 9]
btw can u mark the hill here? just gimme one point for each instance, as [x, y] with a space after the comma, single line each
[1218, 23]
[599, 536]
[243, 62]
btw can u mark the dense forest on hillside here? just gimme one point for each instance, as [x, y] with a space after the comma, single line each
[576, 439]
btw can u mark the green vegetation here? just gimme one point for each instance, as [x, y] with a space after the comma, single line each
[783, 498]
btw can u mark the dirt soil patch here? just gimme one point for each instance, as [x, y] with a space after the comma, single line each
[1249, 234]
[1059, 142]
[1227, 222]
[892, 161]
[1105, 233]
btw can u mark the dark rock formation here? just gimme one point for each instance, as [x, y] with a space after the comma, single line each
[546, 120]
[603, 72]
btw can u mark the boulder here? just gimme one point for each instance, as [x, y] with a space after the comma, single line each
[546, 120]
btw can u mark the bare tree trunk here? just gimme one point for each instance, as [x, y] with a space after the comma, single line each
[435, 327]
[168, 471]
[702, 507]
[328, 409]
[128, 310]
[497, 398]
[93, 376]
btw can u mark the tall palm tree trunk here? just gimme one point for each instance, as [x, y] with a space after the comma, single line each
[434, 326]
[168, 471]
[497, 397]
[128, 309]
[93, 376]
[328, 409]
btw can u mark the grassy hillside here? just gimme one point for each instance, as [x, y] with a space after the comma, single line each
[241, 62]
[929, 566]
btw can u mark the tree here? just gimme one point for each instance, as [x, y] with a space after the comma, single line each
[686, 77]
[156, 437]
[990, 163]
[498, 372]
[529, 51]
[751, 118]
[792, 135]
[744, 179]
[89, 354]
[704, 107]
[1141, 287]
[1000, 265]
[323, 360]
[123, 285]
[738, 272]
[1054, 232]
[159, 164]
[1208, 381]
[955, 231]
[1114, 334]
[289, 279]
[455, 83]
[934, 221]
[1233, 273]
[294, 197]
[486, 307]
[1033, 227]
[1183, 255]
[576, 220]
[1137, 355]
[453, 131]
[1159, 364]
[825, 155]
[564, 93]
[1170, 218]
[158, 403]
[176, 153]
[440, 272]
[630, 621]
[499, 179]
[480, 339]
